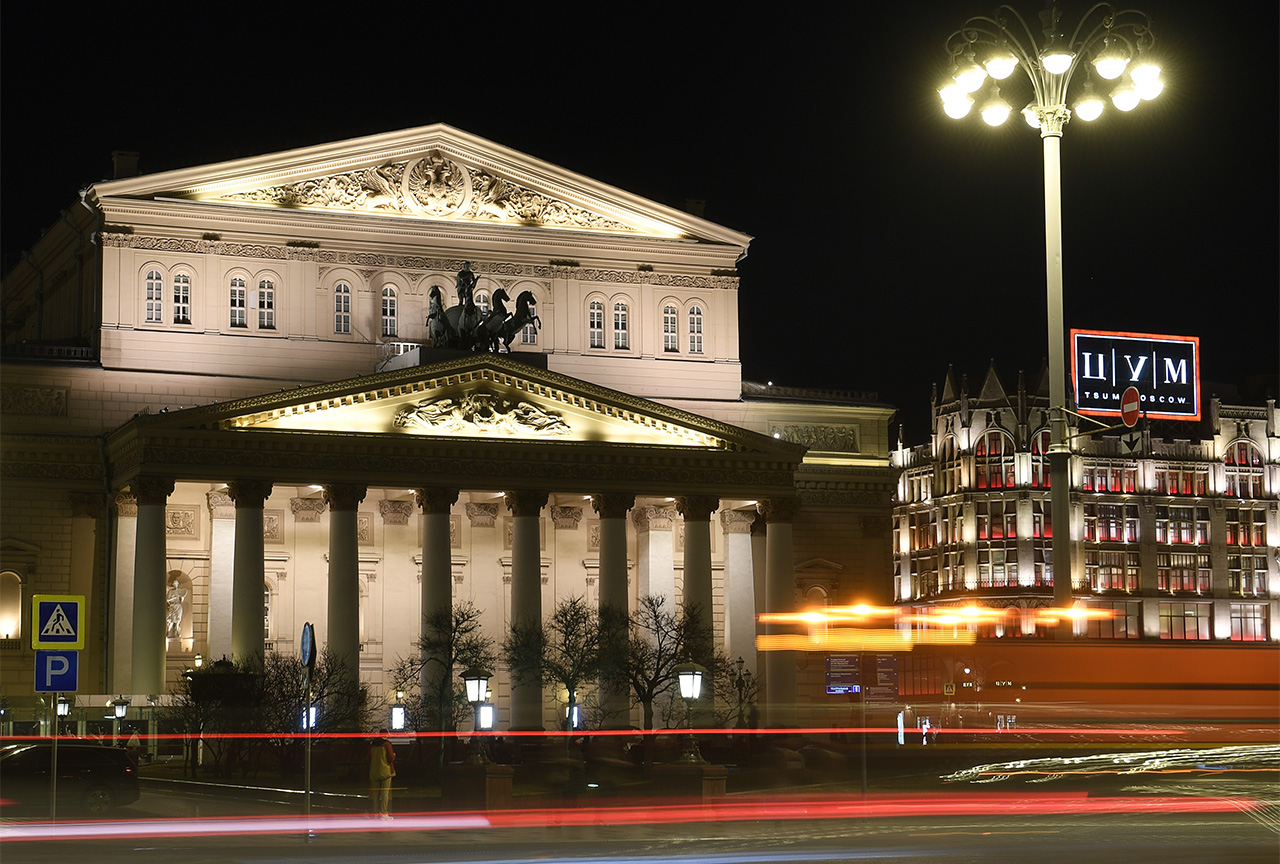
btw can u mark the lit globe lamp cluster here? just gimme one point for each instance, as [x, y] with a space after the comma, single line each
[1049, 68]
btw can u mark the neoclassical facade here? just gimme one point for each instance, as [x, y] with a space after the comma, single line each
[1174, 531]
[227, 414]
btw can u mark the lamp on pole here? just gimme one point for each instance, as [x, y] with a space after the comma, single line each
[1108, 43]
[689, 676]
[477, 683]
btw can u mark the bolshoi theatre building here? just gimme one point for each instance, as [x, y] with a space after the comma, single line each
[244, 396]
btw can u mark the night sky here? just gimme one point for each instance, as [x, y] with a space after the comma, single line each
[890, 241]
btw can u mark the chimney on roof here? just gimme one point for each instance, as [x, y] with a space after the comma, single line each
[124, 164]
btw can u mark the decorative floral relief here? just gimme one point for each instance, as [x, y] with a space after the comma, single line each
[437, 187]
[180, 522]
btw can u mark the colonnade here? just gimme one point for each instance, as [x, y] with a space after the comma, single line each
[774, 583]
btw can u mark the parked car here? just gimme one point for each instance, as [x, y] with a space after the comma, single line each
[91, 777]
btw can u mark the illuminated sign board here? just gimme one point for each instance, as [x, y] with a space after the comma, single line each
[1164, 369]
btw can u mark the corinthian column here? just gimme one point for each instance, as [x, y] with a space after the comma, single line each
[696, 510]
[779, 596]
[612, 509]
[526, 594]
[150, 569]
[437, 582]
[343, 616]
[248, 574]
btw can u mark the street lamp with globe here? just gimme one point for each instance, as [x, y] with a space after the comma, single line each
[1108, 43]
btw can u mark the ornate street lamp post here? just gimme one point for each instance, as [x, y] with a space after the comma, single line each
[477, 683]
[1108, 43]
[689, 675]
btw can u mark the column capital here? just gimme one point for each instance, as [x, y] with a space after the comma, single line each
[612, 505]
[343, 496]
[124, 504]
[697, 508]
[152, 490]
[435, 499]
[249, 493]
[526, 502]
[395, 512]
[651, 517]
[779, 509]
[221, 505]
[736, 521]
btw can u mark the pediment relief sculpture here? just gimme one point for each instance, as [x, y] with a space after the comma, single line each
[434, 186]
[480, 412]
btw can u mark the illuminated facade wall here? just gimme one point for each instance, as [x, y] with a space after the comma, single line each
[1177, 541]
[292, 273]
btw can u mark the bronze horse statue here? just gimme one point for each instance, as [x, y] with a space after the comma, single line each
[524, 314]
[454, 327]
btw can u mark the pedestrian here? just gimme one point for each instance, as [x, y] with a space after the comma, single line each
[382, 767]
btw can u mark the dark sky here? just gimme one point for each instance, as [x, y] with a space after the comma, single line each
[890, 241]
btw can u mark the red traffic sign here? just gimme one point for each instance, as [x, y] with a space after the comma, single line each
[1130, 406]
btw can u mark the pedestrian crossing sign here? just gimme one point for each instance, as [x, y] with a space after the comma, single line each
[57, 621]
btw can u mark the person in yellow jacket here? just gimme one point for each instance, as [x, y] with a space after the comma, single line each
[382, 767]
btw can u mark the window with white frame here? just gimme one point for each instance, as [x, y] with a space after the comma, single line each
[181, 299]
[389, 326]
[266, 305]
[266, 610]
[155, 297]
[695, 329]
[595, 324]
[670, 335]
[621, 327]
[342, 308]
[482, 303]
[237, 302]
[529, 334]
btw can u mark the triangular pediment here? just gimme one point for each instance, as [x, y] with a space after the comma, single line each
[435, 173]
[488, 397]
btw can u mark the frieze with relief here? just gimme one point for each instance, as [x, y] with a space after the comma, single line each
[480, 412]
[838, 439]
[433, 186]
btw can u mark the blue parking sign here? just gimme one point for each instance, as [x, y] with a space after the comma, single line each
[57, 621]
[57, 671]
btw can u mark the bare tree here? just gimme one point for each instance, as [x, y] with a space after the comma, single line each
[659, 639]
[568, 649]
[452, 641]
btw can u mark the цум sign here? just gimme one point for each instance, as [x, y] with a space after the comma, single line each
[1164, 369]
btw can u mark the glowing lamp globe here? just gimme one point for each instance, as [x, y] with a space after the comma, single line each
[1090, 105]
[1029, 114]
[995, 111]
[970, 77]
[957, 108]
[1111, 61]
[1125, 98]
[1056, 60]
[1001, 64]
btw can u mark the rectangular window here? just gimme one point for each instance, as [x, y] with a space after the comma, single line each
[1184, 621]
[695, 330]
[1248, 622]
[238, 301]
[389, 323]
[342, 308]
[1124, 623]
[621, 335]
[670, 338]
[155, 298]
[596, 325]
[181, 299]
[266, 305]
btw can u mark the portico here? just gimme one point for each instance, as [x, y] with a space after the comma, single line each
[487, 439]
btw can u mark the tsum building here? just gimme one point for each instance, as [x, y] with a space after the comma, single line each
[225, 415]
[1172, 541]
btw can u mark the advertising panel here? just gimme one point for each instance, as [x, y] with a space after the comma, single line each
[1164, 369]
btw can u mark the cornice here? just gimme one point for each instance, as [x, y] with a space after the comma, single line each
[423, 263]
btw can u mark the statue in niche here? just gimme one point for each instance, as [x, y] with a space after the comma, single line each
[173, 610]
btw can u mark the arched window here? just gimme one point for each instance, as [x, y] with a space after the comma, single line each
[342, 308]
[595, 323]
[155, 297]
[670, 334]
[993, 461]
[10, 605]
[389, 328]
[1244, 470]
[695, 329]
[529, 334]
[482, 302]
[237, 303]
[181, 299]
[948, 466]
[621, 329]
[266, 305]
[1040, 459]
